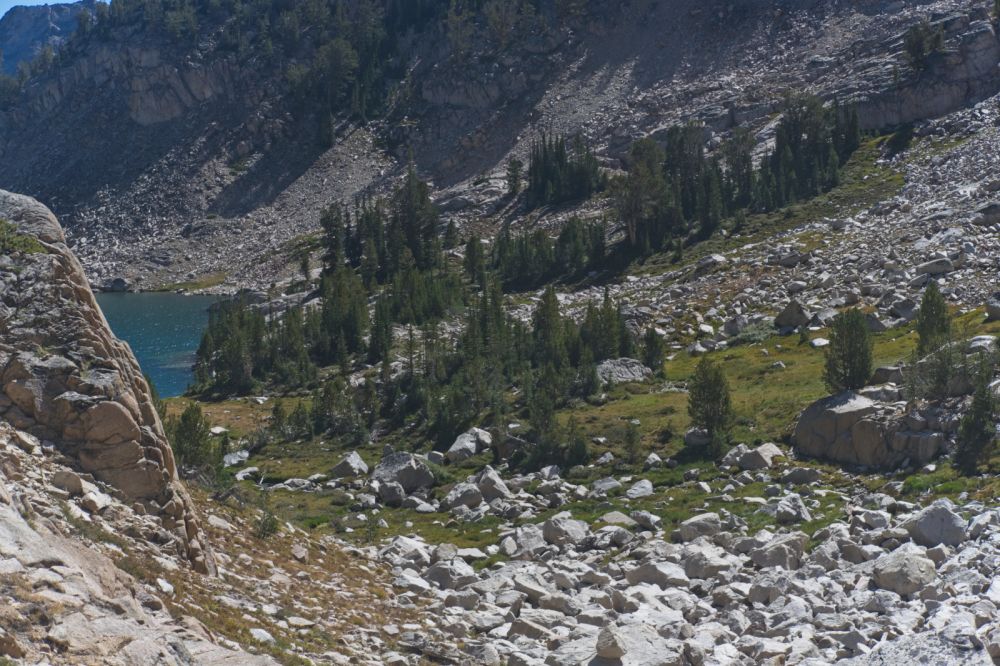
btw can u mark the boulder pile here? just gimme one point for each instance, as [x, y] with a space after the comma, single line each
[889, 578]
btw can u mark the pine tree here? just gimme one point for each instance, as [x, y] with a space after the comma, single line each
[977, 431]
[709, 404]
[475, 261]
[550, 332]
[933, 321]
[849, 355]
[191, 437]
[653, 350]
[515, 169]
[380, 341]
[334, 221]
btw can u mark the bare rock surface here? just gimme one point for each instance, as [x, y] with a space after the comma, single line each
[68, 381]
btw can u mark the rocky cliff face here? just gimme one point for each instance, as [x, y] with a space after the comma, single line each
[25, 30]
[68, 381]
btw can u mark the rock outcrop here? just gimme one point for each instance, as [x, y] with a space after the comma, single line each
[962, 74]
[716, 592]
[64, 600]
[67, 380]
[852, 429]
[24, 30]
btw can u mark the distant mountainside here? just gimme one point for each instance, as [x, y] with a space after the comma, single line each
[248, 124]
[25, 30]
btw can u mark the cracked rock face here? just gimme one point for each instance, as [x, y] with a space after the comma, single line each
[66, 379]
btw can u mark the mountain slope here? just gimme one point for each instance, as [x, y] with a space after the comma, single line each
[24, 31]
[207, 141]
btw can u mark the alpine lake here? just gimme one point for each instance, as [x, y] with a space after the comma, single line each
[164, 330]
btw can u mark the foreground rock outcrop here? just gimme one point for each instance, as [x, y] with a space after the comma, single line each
[65, 379]
[63, 599]
[887, 583]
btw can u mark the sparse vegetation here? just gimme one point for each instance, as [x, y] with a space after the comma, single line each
[266, 524]
[921, 42]
[13, 242]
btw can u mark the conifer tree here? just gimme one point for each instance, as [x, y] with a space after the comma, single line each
[191, 437]
[515, 169]
[380, 341]
[653, 350]
[977, 431]
[550, 331]
[849, 355]
[475, 261]
[709, 404]
[933, 321]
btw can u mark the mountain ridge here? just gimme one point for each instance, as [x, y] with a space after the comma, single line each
[26, 30]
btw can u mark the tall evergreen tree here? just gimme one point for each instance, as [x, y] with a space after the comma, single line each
[849, 354]
[977, 432]
[933, 321]
[709, 404]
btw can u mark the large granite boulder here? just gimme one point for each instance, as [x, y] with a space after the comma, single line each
[65, 378]
[905, 571]
[852, 429]
[622, 371]
[405, 469]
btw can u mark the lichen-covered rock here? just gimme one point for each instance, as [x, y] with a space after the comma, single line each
[65, 378]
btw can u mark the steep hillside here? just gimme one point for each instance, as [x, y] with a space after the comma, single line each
[25, 31]
[210, 143]
[106, 557]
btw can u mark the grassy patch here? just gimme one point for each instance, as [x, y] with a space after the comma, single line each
[12, 242]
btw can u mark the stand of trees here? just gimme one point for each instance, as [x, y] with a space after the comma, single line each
[384, 267]
[389, 248]
[558, 174]
[532, 259]
[674, 191]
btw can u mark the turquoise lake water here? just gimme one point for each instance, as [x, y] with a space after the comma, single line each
[164, 331]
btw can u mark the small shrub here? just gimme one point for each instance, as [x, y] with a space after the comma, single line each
[754, 334]
[633, 443]
[900, 140]
[266, 524]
